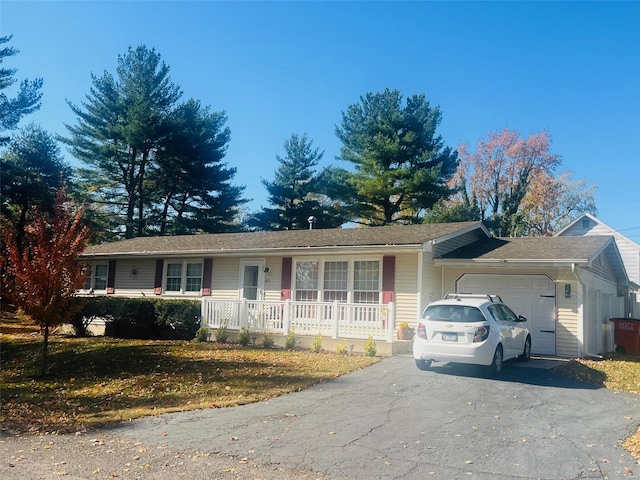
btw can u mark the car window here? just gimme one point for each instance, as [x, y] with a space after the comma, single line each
[475, 315]
[508, 314]
[497, 312]
[438, 312]
[453, 313]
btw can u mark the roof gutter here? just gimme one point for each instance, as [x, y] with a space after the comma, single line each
[277, 251]
[548, 263]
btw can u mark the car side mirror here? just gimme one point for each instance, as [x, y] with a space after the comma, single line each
[521, 318]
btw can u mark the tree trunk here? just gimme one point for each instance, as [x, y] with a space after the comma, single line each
[45, 350]
[165, 215]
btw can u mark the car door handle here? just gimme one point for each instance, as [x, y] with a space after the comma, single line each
[548, 331]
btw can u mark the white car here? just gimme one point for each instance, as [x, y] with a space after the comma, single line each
[471, 329]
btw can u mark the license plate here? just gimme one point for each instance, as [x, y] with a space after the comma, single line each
[449, 337]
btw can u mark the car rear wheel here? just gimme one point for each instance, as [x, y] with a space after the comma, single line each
[526, 353]
[496, 365]
[423, 364]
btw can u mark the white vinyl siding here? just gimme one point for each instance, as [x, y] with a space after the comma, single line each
[567, 330]
[629, 250]
[135, 277]
[225, 278]
[406, 288]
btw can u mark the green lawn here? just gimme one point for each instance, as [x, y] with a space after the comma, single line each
[98, 381]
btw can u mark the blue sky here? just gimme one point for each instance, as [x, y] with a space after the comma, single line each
[277, 68]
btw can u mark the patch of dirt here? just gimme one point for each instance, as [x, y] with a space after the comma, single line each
[98, 456]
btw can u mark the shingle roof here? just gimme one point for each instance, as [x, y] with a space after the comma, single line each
[373, 236]
[532, 248]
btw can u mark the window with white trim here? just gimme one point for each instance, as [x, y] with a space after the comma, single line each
[96, 276]
[366, 281]
[183, 277]
[336, 281]
[307, 281]
[345, 281]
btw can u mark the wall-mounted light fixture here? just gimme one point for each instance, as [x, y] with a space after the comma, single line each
[266, 270]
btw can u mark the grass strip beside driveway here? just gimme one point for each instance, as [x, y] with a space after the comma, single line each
[99, 381]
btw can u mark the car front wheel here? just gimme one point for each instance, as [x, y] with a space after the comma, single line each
[423, 364]
[526, 353]
[496, 365]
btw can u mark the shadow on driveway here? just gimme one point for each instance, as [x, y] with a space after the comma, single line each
[538, 371]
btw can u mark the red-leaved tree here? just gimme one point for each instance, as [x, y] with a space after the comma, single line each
[42, 273]
[499, 175]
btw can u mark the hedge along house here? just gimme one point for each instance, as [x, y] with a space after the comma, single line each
[352, 283]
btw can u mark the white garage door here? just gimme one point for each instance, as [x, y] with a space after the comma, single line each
[530, 295]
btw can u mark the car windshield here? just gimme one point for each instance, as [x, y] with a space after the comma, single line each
[453, 313]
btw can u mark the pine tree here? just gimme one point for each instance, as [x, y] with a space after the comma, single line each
[401, 165]
[191, 176]
[120, 127]
[25, 102]
[295, 193]
[33, 171]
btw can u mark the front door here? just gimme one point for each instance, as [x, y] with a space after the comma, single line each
[252, 279]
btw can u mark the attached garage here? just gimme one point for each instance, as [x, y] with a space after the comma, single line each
[565, 286]
[533, 296]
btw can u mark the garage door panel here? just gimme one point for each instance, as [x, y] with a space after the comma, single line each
[530, 295]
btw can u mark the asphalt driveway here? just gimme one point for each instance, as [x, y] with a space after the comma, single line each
[392, 421]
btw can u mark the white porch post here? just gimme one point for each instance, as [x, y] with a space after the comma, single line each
[203, 312]
[242, 311]
[286, 316]
[334, 320]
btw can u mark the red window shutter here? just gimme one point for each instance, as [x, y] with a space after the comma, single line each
[388, 278]
[206, 277]
[157, 284]
[111, 277]
[285, 280]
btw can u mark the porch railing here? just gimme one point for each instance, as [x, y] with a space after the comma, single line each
[331, 319]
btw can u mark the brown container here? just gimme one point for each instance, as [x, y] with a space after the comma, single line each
[626, 334]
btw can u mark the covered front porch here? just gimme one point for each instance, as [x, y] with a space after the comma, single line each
[334, 320]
